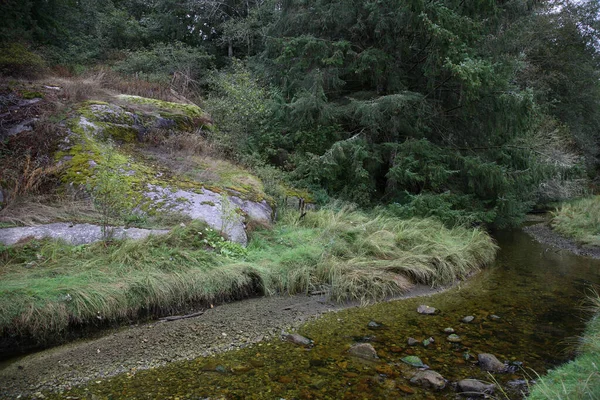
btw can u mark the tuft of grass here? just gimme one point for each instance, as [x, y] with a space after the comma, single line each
[48, 286]
[578, 379]
[579, 220]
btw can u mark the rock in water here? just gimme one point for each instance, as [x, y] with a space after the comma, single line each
[298, 339]
[412, 341]
[374, 325]
[489, 362]
[454, 338]
[363, 350]
[413, 361]
[474, 387]
[423, 309]
[448, 330]
[468, 319]
[429, 379]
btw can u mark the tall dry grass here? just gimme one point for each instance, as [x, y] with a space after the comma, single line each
[579, 220]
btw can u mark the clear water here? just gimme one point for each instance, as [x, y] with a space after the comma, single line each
[537, 293]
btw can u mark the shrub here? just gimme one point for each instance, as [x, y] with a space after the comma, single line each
[176, 62]
[18, 61]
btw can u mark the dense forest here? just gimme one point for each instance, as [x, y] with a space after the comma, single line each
[474, 112]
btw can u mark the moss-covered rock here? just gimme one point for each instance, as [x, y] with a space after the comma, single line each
[185, 117]
[104, 135]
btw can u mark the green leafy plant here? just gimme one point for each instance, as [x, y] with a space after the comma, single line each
[217, 242]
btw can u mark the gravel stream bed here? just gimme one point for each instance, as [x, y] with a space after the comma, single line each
[126, 350]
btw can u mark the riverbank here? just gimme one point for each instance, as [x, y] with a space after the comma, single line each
[579, 378]
[223, 328]
[48, 287]
[544, 234]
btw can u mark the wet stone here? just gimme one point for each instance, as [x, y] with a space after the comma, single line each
[494, 317]
[489, 362]
[449, 330]
[413, 361]
[454, 338]
[412, 341]
[363, 350]
[468, 319]
[427, 310]
[474, 387]
[429, 380]
[298, 339]
[374, 325]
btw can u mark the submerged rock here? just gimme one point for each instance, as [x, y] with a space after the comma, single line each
[454, 338]
[427, 310]
[412, 341]
[413, 361]
[489, 362]
[448, 330]
[474, 387]
[468, 319]
[374, 325]
[494, 317]
[429, 379]
[363, 350]
[298, 339]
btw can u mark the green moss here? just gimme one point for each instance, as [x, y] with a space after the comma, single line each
[121, 133]
[191, 110]
[31, 95]
[187, 117]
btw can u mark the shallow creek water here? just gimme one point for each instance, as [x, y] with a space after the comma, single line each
[537, 293]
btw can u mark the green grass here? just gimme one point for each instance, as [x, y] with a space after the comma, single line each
[578, 379]
[579, 220]
[46, 286]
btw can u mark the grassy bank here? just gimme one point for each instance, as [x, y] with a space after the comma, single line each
[47, 286]
[578, 379]
[579, 220]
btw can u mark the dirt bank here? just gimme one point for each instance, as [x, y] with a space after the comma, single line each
[544, 234]
[219, 329]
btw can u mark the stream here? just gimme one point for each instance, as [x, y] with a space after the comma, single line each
[537, 292]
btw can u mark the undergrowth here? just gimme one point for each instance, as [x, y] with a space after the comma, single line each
[578, 379]
[579, 220]
[47, 286]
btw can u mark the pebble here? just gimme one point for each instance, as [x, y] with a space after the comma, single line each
[489, 362]
[412, 341]
[363, 350]
[472, 387]
[468, 319]
[449, 330]
[427, 310]
[454, 338]
[374, 325]
[429, 379]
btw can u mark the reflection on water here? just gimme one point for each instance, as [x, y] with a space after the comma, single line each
[537, 293]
